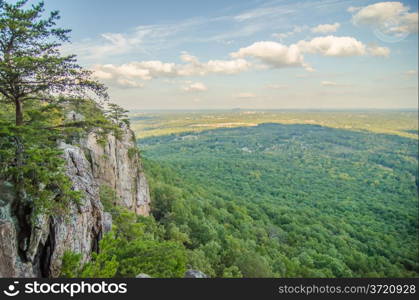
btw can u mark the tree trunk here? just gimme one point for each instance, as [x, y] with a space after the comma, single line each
[19, 112]
[22, 209]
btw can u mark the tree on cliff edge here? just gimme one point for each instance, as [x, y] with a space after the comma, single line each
[33, 73]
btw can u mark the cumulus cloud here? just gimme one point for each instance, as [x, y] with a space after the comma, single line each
[144, 70]
[195, 67]
[333, 46]
[194, 87]
[273, 54]
[126, 83]
[244, 95]
[147, 70]
[277, 55]
[375, 50]
[325, 28]
[270, 54]
[388, 17]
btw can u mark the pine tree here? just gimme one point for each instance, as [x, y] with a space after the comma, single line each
[33, 73]
[117, 114]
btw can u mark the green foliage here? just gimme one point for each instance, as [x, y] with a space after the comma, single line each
[108, 197]
[164, 196]
[31, 64]
[232, 272]
[163, 259]
[43, 175]
[117, 114]
[32, 73]
[132, 152]
[135, 245]
[288, 200]
[132, 247]
[105, 263]
[251, 265]
[70, 265]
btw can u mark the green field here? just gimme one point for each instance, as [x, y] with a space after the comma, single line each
[403, 123]
[287, 200]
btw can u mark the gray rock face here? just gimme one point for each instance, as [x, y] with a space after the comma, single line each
[88, 166]
[117, 165]
[142, 275]
[195, 274]
[107, 222]
[81, 231]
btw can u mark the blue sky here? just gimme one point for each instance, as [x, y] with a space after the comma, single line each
[249, 54]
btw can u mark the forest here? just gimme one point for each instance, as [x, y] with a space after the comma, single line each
[288, 200]
[233, 194]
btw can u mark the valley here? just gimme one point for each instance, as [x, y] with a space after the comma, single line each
[287, 200]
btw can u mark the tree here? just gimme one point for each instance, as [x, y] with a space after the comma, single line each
[33, 73]
[31, 65]
[117, 113]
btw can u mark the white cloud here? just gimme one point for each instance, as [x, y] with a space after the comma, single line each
[277, 55]
[325, 28]
[328, 83]
[144, 70]
[99, 73]
[126, 83]
[333, 46]
[353, 9]
[147, 70]
[375, 50]
[283, 35]
[273, 54]
[244, 95]
[411, 73]
[195, 87]
[195, 67]
[388, 17]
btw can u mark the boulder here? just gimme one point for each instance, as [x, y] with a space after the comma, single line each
[195, 274]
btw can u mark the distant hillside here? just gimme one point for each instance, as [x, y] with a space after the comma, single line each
[289, 200]
[403, 123]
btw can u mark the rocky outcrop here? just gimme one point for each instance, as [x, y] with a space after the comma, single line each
[188, 274]
[89, 165]
[195, 274]
[143, 275]
[116, 163]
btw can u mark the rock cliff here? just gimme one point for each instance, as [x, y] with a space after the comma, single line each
[115, 163]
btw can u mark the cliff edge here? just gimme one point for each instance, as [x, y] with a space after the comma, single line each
[90, 164]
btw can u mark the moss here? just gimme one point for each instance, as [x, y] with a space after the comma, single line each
[132, 152]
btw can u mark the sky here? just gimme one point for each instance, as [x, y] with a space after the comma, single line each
[217, 54]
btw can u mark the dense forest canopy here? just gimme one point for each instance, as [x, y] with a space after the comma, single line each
[256, 200]
[289, 200]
